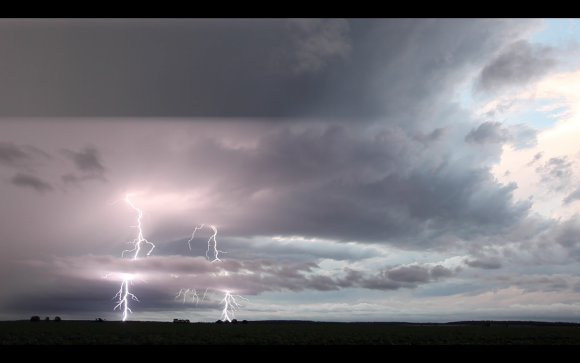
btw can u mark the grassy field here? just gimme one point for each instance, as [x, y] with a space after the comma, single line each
[72, 332]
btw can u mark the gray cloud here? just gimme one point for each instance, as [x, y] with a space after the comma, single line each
[88, 162]
[397, 277]
[488, 132]
[520, 136]
[21, 156]
[30, 181]
[223, 67]
[12, 155]
[517, 65]
[537, 157]
[318, 41]
[573, 196]
[489, 263]
[556, 172]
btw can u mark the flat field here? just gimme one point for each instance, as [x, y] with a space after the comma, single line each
[139, 333]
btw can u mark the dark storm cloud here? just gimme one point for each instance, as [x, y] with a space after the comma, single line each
[317, 41]
[87, 162]
[76, 282]
[240, 67]
[397, 277]
[517, 65]
[30, 181]
[344, 183]
[556, 172]
[20, 156]
[488, 132]
[12, 155]
[489, 263]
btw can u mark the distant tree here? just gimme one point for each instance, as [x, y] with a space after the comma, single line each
[57, 319]
[234, 321]
[187, 321]
[219, 322]
[35, 318]
[47, 319]
[244, 322]
[227, 322]
[99, 320]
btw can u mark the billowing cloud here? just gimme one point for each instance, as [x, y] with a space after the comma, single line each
[517, 65]
[488, 132]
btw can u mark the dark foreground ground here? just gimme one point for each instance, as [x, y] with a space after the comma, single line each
[78, 332]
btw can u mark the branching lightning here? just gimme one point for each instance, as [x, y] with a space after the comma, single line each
[137, 241]
[124, 294]
[194, 297]
[215, 250]
[229, 301]
[230, 306]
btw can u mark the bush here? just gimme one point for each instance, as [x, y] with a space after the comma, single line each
[234, 321]
[57, 319]
[219, 322]
[244, 322]
[35, 318]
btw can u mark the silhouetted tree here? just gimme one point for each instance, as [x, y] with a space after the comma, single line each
[57, 319]
[244, 322]
[234, 321]
[35, 318]
[219, 322]
[47, 319]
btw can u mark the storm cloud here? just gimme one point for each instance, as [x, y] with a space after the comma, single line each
[337, 159]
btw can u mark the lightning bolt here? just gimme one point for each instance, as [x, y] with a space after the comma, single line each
[123, 294]
[194, 297]
[137, 241]
[230, 306]
[215, 250]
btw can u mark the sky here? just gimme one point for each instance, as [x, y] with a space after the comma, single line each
[421, 170]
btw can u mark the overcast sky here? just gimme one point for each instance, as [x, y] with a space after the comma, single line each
[355, 170]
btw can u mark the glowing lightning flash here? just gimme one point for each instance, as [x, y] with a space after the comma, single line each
[230, 306]
[137, 241]
[123, 303]
[123, 294]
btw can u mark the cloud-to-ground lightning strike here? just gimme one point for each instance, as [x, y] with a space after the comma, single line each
[229, 301]
[123, 303]
[123, 294]
[230, 306]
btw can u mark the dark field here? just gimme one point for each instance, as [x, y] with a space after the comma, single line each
[74, 332]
